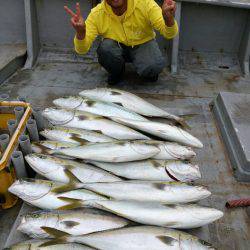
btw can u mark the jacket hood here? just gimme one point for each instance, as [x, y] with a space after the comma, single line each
[130, 9]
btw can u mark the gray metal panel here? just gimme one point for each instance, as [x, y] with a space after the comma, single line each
[12, 22]
[244, 53]
[230, 3]
[54, 23]
[232, 114]
[32, 32]
[207, 28]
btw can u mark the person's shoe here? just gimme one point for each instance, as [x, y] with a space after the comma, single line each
[113, 80]
[153, 78]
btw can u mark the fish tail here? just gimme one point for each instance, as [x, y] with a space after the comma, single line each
[60, 237]
[74, 183]
[43, 149]
[183, 123]
[66, 188]
[72, 203]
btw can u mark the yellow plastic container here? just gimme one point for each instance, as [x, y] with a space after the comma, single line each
[7, 173]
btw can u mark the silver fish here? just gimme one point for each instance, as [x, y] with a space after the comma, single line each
[74, 135]
[74, 222]
[163, 192]
[87, 121]
[164, 131]
[129, 101]
[36, 245]
[46, 146]
[112, 151]
[134, 238]
[96, 107]
[40, 193]
[63, 170]
[182, 216]
[171, 151]
[153, 170]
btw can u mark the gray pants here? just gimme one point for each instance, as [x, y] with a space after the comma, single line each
[146, 58]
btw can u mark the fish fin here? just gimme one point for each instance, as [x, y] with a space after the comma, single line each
[65, 188]
[98, 131]
[73, 203]
[53, 242]
[114, 92]
[54, 232]
[61, 237]
[42, 148]
[73, 178]
[183, 123]
[156, 164]
[160, 186]
[90, 103]
[78, 139]
[167, 240]
[70, 224]
[118, 103]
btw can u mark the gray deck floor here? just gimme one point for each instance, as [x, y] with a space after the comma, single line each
[189, 93]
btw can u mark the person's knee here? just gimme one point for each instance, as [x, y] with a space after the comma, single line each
[107, 47]
[152, 70]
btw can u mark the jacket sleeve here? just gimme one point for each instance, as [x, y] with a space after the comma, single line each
[157, 21]
[83, 46]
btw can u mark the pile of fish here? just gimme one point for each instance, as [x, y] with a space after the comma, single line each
[116, 179]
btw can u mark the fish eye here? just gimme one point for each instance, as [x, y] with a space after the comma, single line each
[35, 216]
[42, 157]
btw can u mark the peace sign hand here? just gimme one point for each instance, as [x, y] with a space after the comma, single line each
[169, 8]
[77, 21]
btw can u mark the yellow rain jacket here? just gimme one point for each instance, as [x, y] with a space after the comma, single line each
[137, 26]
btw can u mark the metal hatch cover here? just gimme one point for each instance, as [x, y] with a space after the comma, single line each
[232, 113]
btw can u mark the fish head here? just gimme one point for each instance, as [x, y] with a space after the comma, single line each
[45, 132]
[32, 221]
[45, 146]
[30, 189]
[208, 214]
[183, 171]
[178, 151]
[58, 116]
[71, 102]
[42, 163]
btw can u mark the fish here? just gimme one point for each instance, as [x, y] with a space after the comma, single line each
[74, 135]
[163, 130]
[54, 168]
[36, 245]
[171, 151]
[74, 222]
[134, 238]
[97, 107]
[161, 192]
[153, 170]
[129, 101]
[121, 151]
[179, 216]
[87, 121]
[47, 146]
[42, 194]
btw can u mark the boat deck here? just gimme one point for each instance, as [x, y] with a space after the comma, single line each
[188, 93]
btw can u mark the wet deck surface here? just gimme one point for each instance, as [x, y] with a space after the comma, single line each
[189, 93]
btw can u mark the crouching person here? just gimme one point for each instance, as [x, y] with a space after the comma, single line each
[127, 28]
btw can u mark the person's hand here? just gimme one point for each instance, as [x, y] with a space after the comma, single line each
[77, 21]
[168, 11]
